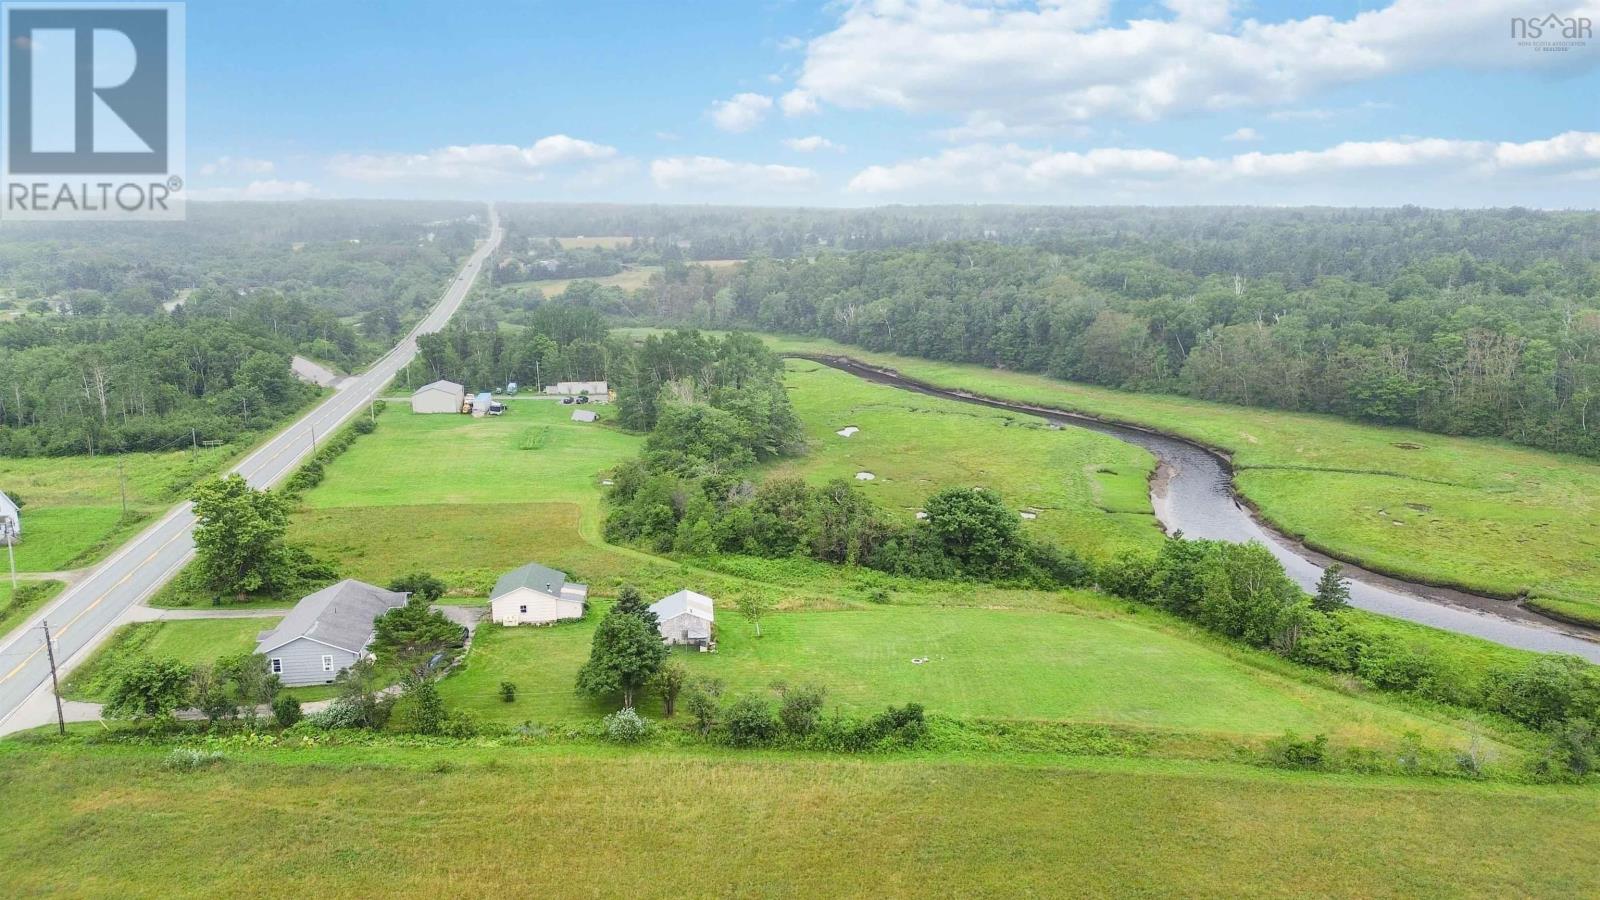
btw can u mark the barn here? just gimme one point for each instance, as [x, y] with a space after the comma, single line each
[536, 595]
[438, 397]
[685, 618]
[326, 632]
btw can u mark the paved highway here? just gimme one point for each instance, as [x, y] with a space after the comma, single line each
[84, 616]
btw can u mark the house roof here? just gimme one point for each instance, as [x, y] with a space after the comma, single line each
[441, 385]
[340, 615]
[532, 575]
[684, 601]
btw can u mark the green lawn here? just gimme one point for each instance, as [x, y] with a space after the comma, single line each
[1485, 515]
[33, 598]
[186, 640]
[571, 822]
[1089, 491]
[981, 663]
[73, 512]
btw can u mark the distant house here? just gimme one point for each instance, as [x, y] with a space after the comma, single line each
[686, 618]
[583, 415]
[536, 595]
[326, 632]
[595, 390]
[10, 520]
[438, 397]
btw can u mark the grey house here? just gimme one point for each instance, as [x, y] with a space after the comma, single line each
[685, 618]
[326, 632]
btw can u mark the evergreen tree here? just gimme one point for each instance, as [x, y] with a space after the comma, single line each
[1333, 590]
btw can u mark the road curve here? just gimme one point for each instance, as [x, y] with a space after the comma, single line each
[83, 616]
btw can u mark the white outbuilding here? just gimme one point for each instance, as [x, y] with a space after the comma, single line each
[438, 397]
[583, 415]
[536, 595]
[594, 390]
[10, 520]
[685, 618]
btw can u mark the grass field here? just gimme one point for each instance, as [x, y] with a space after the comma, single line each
[1088, 491]
[1484, 515]
[73, 511]
[570, 822]
[981, 663]
[190, 641]
[13, 614]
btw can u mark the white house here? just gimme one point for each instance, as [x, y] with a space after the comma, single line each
[10, 520]
[326, 632]
[595, 390]
[685, 618]
[536, 595]
[438, 397]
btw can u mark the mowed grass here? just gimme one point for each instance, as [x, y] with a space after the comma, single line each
[14, 611]
[1481, 514]
[191, 641]
[571, 822]
[73, 511]
[980, 663]
[1089, 491]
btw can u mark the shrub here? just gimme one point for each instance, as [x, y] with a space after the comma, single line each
[188, 759]
[1290, 752]
[343, 712]
[286, 711]
[625, 726]
[749, 722]
[800, 708]
[508, 692]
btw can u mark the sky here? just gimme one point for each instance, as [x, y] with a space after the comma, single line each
[764, 102]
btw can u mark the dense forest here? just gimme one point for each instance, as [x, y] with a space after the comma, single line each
[1295, 245]
[142, 337]
[1391, 318]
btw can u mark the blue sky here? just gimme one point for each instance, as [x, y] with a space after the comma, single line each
[895, 101]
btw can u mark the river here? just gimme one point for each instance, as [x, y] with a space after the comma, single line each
[1193, 493]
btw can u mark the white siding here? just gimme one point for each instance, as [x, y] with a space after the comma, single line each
[685, 628]
[540, 608]
[301, 662]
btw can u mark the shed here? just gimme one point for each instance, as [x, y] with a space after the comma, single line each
[583, 415]
[438, 397]
[481, 403]
[536, 595]
[10, 520]
[326, 632]
[597, 390]
[685, 618]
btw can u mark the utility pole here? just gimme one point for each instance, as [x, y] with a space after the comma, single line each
[313, 438]
[55, 685]
[122, 477]
[194, 444]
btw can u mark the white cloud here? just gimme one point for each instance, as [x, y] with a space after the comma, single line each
[1243, 134]
[472, 162]
[710, 173]
[811, 144]
[742, 112]
[798, 103]
[1013, 170]
[237, 165]
[1006, 64]
[266, 189]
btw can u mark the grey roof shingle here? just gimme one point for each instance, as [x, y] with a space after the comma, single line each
[339, 615]
[532, 575]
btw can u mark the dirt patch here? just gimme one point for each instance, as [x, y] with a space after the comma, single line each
[1407, 445]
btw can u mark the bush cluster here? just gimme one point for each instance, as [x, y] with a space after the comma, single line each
[792, 717]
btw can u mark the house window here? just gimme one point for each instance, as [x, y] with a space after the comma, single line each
[327, 663]
[523, 609]
[277, 666]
